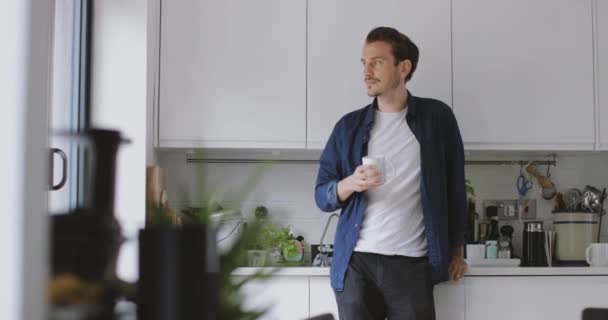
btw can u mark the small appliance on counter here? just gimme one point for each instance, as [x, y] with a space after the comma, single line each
[85, 242]
[575, 231]
[534, 245]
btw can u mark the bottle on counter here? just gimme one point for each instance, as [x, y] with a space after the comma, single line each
[483, 231]
[493, 234]
[506, 232]
[504, 250]
[472, 220]
[491, 249]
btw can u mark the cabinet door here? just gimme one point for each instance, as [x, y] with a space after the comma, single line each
[449, 300]
[602, 58]
[232, 74]
[322, 298]
[286, 297]
[523, 74]
[336, 35]
[547, 297]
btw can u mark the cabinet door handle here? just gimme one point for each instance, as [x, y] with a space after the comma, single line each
[64, 175]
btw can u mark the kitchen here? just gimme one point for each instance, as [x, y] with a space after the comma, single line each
[525, 86]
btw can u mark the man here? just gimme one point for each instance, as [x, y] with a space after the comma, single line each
[400, 234]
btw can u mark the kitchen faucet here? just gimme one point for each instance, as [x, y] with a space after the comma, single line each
[322, 259]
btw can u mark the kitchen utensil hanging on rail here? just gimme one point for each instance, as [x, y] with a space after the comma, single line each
[548, 187]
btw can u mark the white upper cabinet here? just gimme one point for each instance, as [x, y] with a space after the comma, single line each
[523, 74]
[232, 74]
[602, 59]
[336, 34]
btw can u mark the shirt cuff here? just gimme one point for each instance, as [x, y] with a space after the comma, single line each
[332, 195]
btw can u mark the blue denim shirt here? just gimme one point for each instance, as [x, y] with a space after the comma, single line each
[442, 183]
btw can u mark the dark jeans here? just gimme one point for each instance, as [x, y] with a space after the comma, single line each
[394, 287]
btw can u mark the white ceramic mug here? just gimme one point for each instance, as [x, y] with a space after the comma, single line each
[476, 251]
[597, 254]
[380, 163]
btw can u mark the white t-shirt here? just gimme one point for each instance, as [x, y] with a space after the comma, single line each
[393, 223]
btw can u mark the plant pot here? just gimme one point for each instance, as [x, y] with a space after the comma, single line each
[179, 273]
[200, 273]
[159, 273]
[297, 256]
[256, 258]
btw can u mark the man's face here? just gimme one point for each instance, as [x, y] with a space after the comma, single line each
[380, 72]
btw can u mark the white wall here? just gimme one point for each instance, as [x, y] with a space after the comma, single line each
[288, 189]
[118, 101]
[153, 71]
[12, 122]
[24, 88]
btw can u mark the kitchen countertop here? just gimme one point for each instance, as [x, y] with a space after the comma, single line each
[472, 271]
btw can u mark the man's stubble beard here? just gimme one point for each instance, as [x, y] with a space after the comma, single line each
[393, 85]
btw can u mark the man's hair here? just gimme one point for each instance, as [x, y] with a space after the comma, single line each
[402, 47]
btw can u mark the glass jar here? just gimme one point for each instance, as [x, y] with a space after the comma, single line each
[491, 249]
[504, 250]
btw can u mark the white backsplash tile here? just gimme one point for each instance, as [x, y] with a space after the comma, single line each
[287, 190]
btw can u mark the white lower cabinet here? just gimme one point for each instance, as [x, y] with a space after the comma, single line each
[474, 298]
[286, 297]
[322, 298]
[449, 299]
[545, 297]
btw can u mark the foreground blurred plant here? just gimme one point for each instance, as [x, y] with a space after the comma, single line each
[231, 295]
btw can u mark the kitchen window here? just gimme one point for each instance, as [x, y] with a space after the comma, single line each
[69, 109]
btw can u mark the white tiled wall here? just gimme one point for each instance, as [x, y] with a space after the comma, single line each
[287, 190]
[572, 171]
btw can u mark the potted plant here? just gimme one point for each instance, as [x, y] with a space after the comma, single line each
[260, 246]
[265, 248]
[279, 245]
[278, 239]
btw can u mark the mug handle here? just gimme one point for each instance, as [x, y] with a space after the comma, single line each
[588, 255]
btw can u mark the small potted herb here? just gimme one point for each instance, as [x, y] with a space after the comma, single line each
[280, 246]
